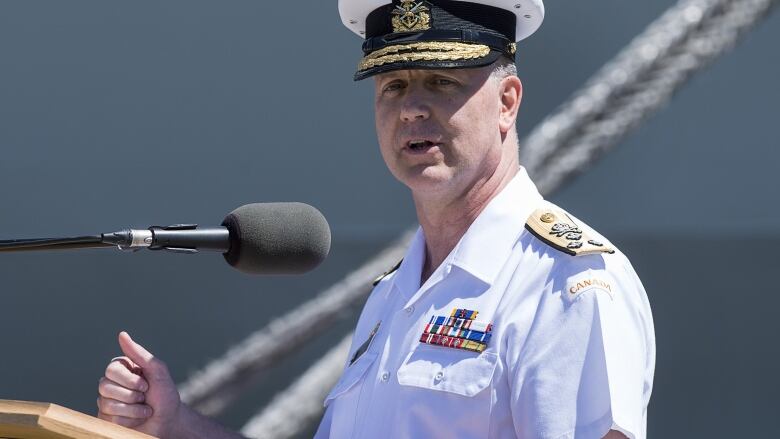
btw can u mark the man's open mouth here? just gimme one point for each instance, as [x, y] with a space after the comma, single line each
[420, 145]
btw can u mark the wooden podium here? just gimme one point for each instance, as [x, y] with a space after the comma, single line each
[41, 420]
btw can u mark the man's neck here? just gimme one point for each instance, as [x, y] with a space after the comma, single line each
[445, 222]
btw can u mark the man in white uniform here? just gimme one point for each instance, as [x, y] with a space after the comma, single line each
[508, 317]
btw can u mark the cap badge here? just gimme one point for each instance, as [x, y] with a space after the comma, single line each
[410, 16]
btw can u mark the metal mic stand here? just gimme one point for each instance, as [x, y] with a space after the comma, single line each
[17, 245]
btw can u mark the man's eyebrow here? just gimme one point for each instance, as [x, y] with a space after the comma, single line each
[381, 82]
[388, 76]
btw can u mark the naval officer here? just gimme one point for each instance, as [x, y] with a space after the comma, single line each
[508, 317]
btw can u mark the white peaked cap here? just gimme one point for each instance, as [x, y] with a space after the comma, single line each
[529, 13]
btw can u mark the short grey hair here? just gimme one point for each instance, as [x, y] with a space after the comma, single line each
[502, 68]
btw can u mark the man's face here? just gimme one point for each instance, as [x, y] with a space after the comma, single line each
[439, 130]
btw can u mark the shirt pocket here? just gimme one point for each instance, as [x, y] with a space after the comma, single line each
[351, 376]
[443, 369]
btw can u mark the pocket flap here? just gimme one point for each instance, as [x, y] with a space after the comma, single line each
[449, 370]
[351, 376]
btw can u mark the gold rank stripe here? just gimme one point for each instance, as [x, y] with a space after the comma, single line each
[423, 51]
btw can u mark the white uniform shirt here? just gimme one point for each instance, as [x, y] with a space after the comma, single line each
[572, 351]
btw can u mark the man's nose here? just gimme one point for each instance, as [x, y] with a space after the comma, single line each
[415, 107]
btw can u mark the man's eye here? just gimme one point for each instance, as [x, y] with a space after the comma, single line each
[444, 81]
[393, 86]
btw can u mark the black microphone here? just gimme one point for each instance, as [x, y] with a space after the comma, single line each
[260, 238]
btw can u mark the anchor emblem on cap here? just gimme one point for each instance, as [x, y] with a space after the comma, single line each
[411, 16]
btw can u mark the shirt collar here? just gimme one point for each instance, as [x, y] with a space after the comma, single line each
[407, 278]
[487, 243]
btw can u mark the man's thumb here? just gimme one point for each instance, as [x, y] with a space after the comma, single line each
[137, 353]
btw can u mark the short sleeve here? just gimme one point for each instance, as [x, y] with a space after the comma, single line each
[582, 370]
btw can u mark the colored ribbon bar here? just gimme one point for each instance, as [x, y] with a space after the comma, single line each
[460, 330]
[453, 342]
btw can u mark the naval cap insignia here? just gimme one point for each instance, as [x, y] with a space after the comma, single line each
[411, 16]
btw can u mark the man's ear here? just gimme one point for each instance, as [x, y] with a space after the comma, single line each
[510, 93]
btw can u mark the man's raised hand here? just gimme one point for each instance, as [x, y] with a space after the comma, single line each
[137, 391]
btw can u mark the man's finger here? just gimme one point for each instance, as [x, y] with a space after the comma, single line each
[137, 353]
[117, 408]
[118, 372]
[121, 420]
[153, 368]
[111, 389]
[132, 367]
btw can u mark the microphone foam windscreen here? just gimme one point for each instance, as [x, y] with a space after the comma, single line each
[277, 238]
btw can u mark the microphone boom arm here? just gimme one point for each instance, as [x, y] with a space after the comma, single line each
[15, 245]
[179, 238]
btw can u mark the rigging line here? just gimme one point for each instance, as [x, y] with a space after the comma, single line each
[292, 411]
[668, 30]
[656, 45]
[653, 89]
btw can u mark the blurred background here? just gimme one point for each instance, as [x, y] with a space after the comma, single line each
[139, 113]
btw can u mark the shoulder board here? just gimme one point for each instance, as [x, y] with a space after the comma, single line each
[557, 229]
[387, 273]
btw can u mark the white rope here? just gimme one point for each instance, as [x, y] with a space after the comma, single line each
[294, 410]
[639, 81]
[213, 388]
[628, 89]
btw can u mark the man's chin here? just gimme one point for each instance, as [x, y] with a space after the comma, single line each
[429, 179]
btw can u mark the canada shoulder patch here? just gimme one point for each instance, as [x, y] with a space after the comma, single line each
[557, 229]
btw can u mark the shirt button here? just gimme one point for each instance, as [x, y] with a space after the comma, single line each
[409, 309]
[385, 376]
[439, 376]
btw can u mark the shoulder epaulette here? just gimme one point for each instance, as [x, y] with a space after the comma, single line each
[557, 229]
[387, 273]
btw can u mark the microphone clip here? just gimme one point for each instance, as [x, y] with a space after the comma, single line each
[158, 231]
